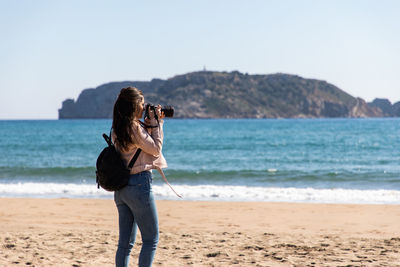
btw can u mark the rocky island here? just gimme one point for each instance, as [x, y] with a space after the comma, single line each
[207, 94]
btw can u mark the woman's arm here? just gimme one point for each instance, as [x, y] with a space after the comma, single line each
[151, 143]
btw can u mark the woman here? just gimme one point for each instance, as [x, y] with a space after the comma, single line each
[135, 202]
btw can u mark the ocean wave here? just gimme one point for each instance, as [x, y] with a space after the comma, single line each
[210, 193]
[59, 174]
[268, 177]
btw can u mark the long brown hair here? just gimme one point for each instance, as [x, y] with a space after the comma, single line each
[126, 110]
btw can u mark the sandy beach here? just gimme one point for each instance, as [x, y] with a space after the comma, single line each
[83, 232]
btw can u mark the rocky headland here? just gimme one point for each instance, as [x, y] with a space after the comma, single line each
[207, 94]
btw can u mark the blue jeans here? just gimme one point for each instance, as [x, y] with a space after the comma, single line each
[136, 208]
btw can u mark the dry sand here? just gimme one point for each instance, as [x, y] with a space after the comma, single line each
[83, 232]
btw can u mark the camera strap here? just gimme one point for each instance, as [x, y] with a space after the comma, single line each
[166, 181]
[157, 168]
[144, 125]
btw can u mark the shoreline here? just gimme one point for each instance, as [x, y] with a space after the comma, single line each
[84, 232]
[212, 193]
[176, 199]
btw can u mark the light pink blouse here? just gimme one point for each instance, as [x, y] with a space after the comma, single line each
[150, 141]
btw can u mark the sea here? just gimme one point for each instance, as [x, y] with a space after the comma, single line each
[268, 160]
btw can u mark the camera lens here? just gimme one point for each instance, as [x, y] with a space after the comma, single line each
[168, 111]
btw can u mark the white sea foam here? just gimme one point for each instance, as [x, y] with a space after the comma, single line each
[210, 192]
[49, 190]
[243, 193]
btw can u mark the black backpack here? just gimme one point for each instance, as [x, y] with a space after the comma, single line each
[111, 172]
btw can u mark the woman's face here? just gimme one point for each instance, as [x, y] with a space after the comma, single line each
[141, 109]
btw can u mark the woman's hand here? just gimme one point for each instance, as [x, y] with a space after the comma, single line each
[159, 113]
[151, 114]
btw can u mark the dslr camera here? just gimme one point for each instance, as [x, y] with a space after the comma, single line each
[168, 111]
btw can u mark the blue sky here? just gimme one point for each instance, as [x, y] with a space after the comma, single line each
[52, 50]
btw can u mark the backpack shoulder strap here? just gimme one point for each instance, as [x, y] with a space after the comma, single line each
[135, 157]
[108, 139]
[133, 160]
